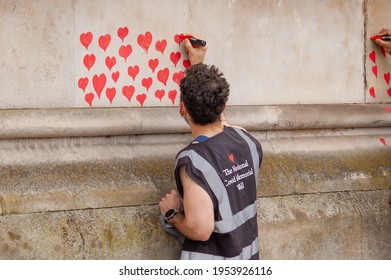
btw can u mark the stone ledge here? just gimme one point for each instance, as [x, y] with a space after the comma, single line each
[129, 171]
[43, 123]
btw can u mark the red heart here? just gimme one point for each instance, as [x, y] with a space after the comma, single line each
[383, 141]
[162, 75]
[389, 92]
[372, 56]
[172, 95]
[383, 51]
[110, 93]
[177, 77]
[146, 82]
[387, 77]
[82, 83]
[141, 98]
[89, 61]
[145, 41]
[374, 70]
[186, 63]
[122, 32]
[231, 157]
[86, 39]
[99, 83]
[133, 71]
[104, 41]
[89, 97]
[161, 46]
[388, 109]
[128, 92]
[174, 57]
[115, 76]
[159, 94]
[178, 39]
[372, 92]
[110, 62]
[153, 63]
[125, 51]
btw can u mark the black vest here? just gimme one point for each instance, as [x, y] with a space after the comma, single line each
[226, 166]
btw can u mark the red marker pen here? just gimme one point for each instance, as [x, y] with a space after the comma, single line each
[381, 37]
[193, 40]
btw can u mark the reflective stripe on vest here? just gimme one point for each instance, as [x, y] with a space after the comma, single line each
[246, 254]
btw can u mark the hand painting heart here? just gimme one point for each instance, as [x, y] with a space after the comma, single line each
[149, 75]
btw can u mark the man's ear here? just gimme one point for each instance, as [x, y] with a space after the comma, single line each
[182, 108]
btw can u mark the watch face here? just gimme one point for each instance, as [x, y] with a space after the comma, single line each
[170, 213]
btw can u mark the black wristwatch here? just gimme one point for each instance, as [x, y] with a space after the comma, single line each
[170, 213]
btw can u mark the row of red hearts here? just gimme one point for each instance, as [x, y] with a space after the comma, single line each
[90, 59]
[128, 92]
[143, 40]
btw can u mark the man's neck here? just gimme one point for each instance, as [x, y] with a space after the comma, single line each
[208, 130]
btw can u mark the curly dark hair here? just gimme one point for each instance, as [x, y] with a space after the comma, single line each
[204, 92]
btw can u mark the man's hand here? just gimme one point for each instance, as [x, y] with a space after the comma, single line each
[172, 200]
[195, 53]
[385, 44]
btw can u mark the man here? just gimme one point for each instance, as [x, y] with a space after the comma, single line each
[216, 174]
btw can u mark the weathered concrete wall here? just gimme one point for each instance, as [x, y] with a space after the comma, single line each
[323, 193]
[273, 52]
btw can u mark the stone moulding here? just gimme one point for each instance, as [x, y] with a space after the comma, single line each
[48, 123]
